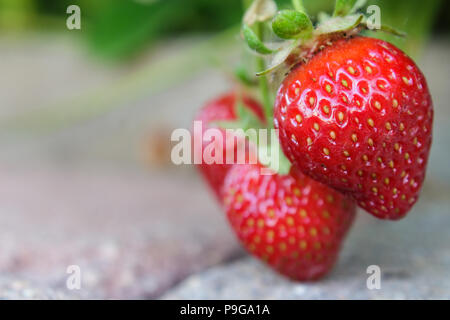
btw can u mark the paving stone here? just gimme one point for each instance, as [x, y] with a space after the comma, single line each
[133, 234]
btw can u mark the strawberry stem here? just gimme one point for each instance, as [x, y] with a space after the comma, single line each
[263, 83]
[299, 6]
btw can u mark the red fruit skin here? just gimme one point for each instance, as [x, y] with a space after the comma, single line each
[358, 117]
[293, 223]
[222, 108]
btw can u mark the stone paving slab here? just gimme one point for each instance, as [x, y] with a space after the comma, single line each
[133, 234]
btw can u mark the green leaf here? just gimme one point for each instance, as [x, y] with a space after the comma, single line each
[112, 35]
[340, 24]
[253, 41]
[280, 57]
[391, 30]
[291, 24]
[343, 7]
[121, 29]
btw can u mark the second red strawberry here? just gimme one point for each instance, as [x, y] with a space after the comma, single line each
[293, 223]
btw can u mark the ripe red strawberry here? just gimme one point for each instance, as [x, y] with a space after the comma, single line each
[221, 109]
[358, 117]
[291, 222]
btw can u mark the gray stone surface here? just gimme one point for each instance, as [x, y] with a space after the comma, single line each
[436, 68]
[19, 289]
[133, 234]
[413, 255]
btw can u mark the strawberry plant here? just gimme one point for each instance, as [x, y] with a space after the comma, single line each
[354, 116]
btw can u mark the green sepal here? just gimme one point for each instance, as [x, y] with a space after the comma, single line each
[340, 24]
[253, 41]
[391, 30]
[322, 17]
[292, 24]
[280, 57]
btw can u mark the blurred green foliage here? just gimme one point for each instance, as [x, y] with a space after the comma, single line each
[415, 17]
[118, 29]
[16, 14]
[125, 27]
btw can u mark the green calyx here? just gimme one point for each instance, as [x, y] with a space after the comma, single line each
[253, 41]
[292, 24]
[340, 24]
[301, 39]
[279, 57]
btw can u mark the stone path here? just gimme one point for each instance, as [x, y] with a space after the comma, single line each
[134, 235]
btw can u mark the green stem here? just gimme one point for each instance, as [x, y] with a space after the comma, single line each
[263, 83]
[298, 5]
[264, 87]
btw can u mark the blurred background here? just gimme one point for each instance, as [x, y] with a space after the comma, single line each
[85, 172]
